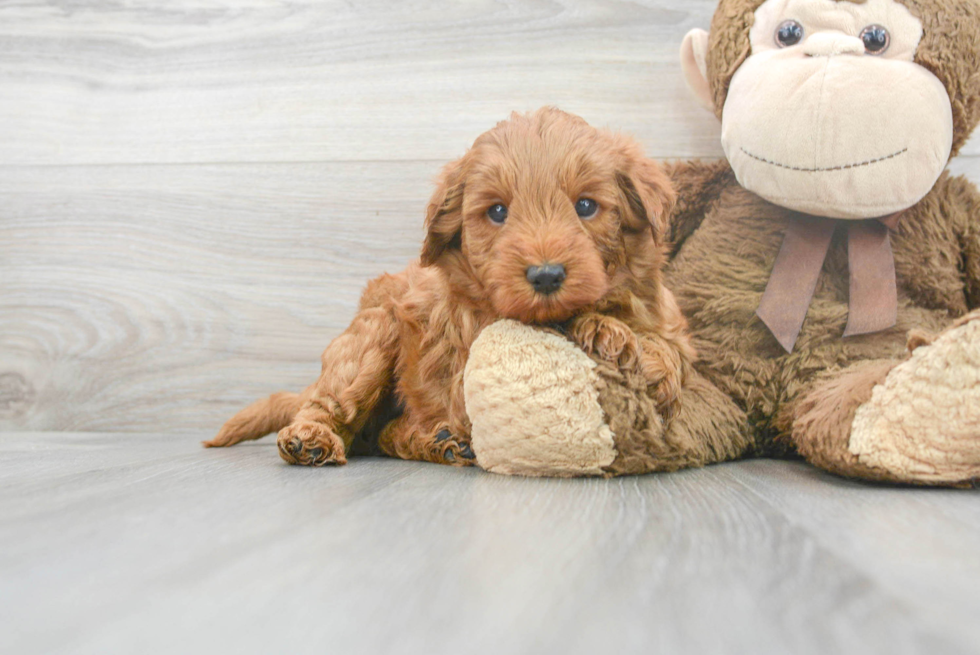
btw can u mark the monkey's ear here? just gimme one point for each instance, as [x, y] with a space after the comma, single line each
[650, 197]
[694, 63]
[444, 216]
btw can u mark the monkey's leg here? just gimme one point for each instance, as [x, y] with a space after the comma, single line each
[707, 428]
[915, 421]
[356, 374]
[406, 439]
[555, 411]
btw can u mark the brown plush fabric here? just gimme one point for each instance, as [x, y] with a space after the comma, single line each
[949, 50]
[700, 433]
[720, 272]
[821, 421]
[698, 186]
[726, 239]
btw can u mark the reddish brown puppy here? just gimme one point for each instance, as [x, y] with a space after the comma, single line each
[545, 220]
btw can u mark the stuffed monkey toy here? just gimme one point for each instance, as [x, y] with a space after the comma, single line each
[830, 268]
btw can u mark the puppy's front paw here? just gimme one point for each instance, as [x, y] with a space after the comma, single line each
[447, 449]
[607, 337]
[311, 444]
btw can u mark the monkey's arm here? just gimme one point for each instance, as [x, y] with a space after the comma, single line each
[965, 198]
[698, 185]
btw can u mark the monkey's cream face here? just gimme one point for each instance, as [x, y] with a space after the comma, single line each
[831, 116]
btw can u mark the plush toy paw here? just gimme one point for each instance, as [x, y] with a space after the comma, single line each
[311, 444]
[533, 402]
[538, 405]
[923, 422]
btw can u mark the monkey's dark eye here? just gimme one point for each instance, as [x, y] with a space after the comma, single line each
[876, 39]
[789, 33]
[497, 214]
[586, 208]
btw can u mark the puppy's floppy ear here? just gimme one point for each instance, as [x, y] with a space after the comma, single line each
[649, 196]
[444, 216]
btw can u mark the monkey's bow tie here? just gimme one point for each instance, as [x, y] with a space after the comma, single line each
[873, 300]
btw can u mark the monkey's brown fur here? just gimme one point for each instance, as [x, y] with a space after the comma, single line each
[708, 427]
[408, 344]
[726, 239]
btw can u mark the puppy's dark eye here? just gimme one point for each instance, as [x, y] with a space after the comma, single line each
[586, 208]
[789, 33]
[497, 214]
[876, 39]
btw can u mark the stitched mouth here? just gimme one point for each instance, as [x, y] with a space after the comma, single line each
[801, 169]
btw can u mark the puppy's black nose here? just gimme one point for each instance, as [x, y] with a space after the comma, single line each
[546, 279]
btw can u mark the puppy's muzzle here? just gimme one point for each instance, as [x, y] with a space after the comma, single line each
[546, 279]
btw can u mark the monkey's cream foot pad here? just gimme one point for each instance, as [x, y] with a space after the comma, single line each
[923, 421]
[533, 401]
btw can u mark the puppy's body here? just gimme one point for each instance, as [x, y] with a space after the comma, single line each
[545, 220]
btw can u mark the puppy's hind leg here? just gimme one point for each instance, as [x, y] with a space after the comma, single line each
[356, 374]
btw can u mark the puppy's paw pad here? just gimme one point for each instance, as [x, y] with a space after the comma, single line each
[292, 446]
[448, 450]
[310, 444]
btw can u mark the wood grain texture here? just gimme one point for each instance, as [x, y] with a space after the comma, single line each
[230, 81]
[141, 296]
[126, 543]
[936, 566]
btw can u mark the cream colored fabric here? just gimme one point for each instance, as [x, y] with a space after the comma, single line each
[828, 17]
[694, 64]
[923, 422]
[826, 129]
[532, 399]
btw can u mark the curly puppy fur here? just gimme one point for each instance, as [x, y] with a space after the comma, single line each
[398, 369]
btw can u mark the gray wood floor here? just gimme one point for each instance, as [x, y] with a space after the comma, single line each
[125, 543]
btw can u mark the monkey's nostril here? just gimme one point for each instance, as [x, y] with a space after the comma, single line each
[546, 279]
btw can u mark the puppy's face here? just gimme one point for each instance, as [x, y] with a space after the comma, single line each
[544, 215]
